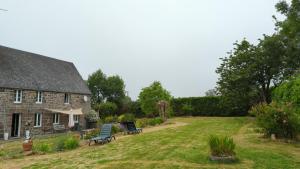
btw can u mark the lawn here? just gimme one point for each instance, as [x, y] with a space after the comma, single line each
[177, 146]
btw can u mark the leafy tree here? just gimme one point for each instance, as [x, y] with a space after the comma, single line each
[211, 92]
[289, 29]
[97, 85]
[247, 75]
[107, 109]
[115, 89]
[105, 88]
[150, 96]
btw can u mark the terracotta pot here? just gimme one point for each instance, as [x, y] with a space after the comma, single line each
[27, 146]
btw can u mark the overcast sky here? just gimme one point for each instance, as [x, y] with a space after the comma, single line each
[177, 42]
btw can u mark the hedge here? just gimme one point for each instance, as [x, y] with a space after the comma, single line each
[200, 106]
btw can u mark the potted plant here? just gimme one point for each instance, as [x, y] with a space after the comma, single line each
[27, 144]
[222, 148]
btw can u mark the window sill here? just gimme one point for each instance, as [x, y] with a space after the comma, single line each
[17, 102]
[37, 126]
[66, 103]
[38, 102]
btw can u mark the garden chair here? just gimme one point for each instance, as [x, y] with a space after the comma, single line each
[131, 128]
[105, 135]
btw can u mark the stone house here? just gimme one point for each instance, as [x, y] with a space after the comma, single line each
[39, 93]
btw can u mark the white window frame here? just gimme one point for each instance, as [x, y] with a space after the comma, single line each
[56, 118]
[76, 118]
[18, 96]
[39, 97]
[67, 98]
[38, 121]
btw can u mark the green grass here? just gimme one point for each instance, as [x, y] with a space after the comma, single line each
[181, 147]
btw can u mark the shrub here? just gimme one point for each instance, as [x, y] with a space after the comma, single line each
[71, 143]
[42, 148]
[116, 129]
[110, 119]
[60, 144]
[141, 123]
[221, 146]
[201, 106]
[92, 133]
[288, 92]
[108, 109]
[279, 119]
[155, 121]
[92, 116]
[126, 118]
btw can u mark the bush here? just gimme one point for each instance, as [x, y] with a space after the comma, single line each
[126, 118]
[110, 119]
[71, 143]
[107, 109]
[42, 148]
[116, 129]
[277, 118]
[141, 123]
[288, 92]
[221, 146]
[92, 116]
[60, 144]
[92, 133]
[201, 106]
[155, 121]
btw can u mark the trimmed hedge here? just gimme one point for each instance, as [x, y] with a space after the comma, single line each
[200, 106]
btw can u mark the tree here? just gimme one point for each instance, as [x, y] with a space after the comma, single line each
[97, 85]
[289, 29]
[115, 89]
[107, 109]
[150, 96]
[211, 92]
[105, 88]
[247, 75]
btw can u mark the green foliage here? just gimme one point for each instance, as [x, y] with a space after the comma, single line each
[221, 146]
[91, 134]
[141, 123]
[108, 109]
[126, 118]
[280, 119]
[103, 88]
[201, 106]
[92, 116]
[116, 129]
[71, 143]
[110, 119]
[288, 92]
[150, 96]
[42, 148]
[155, 121]
[60, 143]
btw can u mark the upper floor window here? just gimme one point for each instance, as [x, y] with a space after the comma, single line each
[37, 120]
[67, 98]
[39, 97]
[18, 96]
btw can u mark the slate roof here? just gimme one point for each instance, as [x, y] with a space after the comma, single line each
[24, 70]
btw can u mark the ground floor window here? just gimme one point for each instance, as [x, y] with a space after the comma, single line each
[76, 118]
[56, 118]
[37, 120]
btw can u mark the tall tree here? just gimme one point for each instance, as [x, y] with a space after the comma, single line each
[97, 85]
[150, 96]
[105, 88]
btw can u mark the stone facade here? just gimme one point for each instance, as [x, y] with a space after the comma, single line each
[28, 108]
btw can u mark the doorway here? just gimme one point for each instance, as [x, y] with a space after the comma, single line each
[16, 125]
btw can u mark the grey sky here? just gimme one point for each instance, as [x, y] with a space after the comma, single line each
[176, 42]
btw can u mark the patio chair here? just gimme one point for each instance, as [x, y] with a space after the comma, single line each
[105, 135]
[130, 128]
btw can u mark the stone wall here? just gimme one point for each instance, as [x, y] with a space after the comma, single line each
[28, 108]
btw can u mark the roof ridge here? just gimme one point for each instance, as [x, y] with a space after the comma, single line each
[41, 55]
